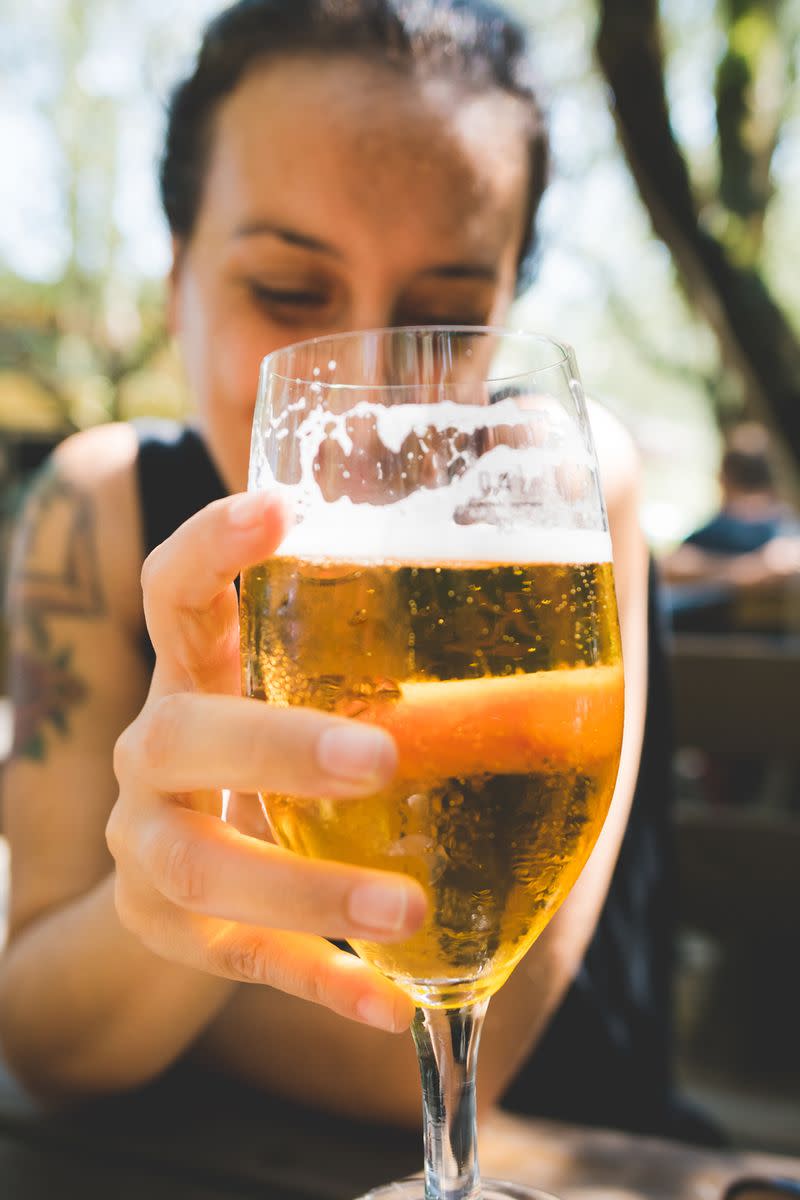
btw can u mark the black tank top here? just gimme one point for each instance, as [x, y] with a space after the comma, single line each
[605, 1057]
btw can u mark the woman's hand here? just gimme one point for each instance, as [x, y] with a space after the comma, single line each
[191, 887]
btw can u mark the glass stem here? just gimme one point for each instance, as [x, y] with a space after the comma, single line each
[447, 1048]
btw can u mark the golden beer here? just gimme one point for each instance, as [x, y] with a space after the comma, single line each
[502, 686]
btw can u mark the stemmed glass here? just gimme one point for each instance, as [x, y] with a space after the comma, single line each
[449, 578]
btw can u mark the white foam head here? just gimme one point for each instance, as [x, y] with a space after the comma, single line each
[536, 501]
[367, 534]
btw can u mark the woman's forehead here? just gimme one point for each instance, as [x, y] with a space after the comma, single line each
[343, 138]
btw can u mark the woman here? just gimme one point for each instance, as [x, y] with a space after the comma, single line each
[327, 167]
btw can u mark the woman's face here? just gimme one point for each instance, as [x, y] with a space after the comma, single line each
[341, 195]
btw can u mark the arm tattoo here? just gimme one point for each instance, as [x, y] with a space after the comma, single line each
[45, 583]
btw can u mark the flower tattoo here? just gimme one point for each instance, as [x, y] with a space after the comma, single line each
[44, 683]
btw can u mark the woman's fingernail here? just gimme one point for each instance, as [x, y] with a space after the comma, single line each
[381, 907]
[377, 1011]
[246, 510]
[357, 753]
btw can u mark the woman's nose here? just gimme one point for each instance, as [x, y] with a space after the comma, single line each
[370, 313]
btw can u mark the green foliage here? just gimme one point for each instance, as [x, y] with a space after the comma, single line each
[750, 89]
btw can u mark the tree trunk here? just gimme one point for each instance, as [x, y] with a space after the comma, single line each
[755, 337]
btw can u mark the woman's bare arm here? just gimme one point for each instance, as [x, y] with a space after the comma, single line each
[82, 1003]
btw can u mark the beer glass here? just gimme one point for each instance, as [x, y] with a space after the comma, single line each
[448, 577]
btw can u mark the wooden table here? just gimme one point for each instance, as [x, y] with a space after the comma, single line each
[195, 1137]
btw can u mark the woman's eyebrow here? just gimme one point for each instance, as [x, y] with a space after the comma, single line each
[464, 271]
[292, 237]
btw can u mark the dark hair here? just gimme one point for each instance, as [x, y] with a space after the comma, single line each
[747, 463]
[472, 40]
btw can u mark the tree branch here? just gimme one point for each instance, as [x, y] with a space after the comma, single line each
[755, 337]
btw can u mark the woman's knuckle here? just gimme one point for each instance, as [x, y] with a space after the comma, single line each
[123, 753]
[270, 752]
[321, 985]
[255, 747]
[244, 957]
[183, 872]
[152, 571]
[115, 836]
[160, 731]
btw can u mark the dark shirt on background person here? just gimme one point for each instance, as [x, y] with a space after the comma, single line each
[736, 571]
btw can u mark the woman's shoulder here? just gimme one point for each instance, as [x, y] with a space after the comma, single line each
[95, 458]
[146, 478]
[84, 506]
[104, 453]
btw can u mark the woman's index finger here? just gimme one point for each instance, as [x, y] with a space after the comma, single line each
[189, 599]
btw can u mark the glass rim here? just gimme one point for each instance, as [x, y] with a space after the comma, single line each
[561, 358]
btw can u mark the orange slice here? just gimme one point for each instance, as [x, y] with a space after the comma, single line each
[505, 725]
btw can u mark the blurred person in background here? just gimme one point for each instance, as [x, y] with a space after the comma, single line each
[738, 570]
[327, 167]
[740, 573]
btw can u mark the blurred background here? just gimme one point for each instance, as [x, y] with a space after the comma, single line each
[669, 257]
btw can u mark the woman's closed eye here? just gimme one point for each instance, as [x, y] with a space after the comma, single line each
[456, 305]
[414, 316]
[289, 295]
[292, 304]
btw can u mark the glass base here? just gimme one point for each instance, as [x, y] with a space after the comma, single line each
[491, 1189]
